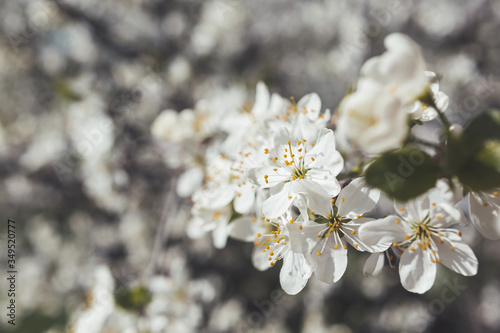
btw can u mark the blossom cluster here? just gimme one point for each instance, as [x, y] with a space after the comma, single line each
[302, 183]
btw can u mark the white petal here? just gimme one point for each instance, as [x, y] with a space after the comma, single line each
[294, 273]
[324, 153]
[415, 210]
[317, 198]
[278, 203]
[244, 202]
[326, 180]
[383, 231]
[305, 240]
[260, 259]
[351, 231]
[374, 264]
[220, 234]
[261, 100]
[461, 259]
[485, 216]
[312, 104]
[356, 199]
[257, 176]
[330, 266]
[189, 182]
[245, 228]
[416, 270]
[444, 215]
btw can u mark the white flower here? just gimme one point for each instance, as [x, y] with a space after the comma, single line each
[273, 245]
[372, 119]
[422, 231]
[297, 171]
[484, 208]
[423, 112]
[326, 239]
[400, 70]
[174, 126]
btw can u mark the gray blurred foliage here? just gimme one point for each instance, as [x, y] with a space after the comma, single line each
[80, 84]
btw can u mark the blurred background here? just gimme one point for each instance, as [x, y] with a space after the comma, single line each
[96, 221]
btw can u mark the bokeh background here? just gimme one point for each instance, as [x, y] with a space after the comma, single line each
[82, 81]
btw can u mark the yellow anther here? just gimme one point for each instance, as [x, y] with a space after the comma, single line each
[345, 247]
[495, 194]
[452, 248]
[353, 232]
[318, 253]
[407, 237]
[312, 212]
[259, 234]
[238, 195]
[434, 204]
[318, 235]
[275, 169]
[397, 221]
[342, 200]
[340, 219]
[300, 227]
[269, 258]
[395, 244]
[439, 260]
[401, 209]
[328, 215]
[355, 246]
[432, 260]
[289, 142]
[272, 263]
[285, 155]
[459, 233]
[304, 140]
[291, 221]
[358, 216]
[438, 217]
[271, 253]
[312, 158]
[264, 250]
[289, 197]
[412, 248]
[266, 151]
[299, 143]
[268, 220]
[336, 246]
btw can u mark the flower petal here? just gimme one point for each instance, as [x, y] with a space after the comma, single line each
[485, 216]
[258, 177]
[278, 203]
[245, 228]
[416, 270]
[415, 210]
[331, 264]
[317, 198]
[461, 259]
[351, 232]
[374, 264]
[383, 232]
[356, 199]
[294, 273]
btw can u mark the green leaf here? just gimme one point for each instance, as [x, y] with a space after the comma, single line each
[135, 298]
[403, 174]
[484, 127]
[481, 172]
[475, 156]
